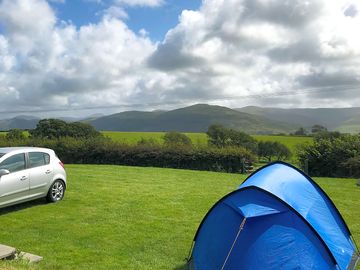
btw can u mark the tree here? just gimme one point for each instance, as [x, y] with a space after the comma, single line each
[55, 128]
[353, 164]
[265, 150]
[281, 151]
[217, 135]
[15, 134]
[331, 155]
[176, 139]
[300, 132]
[327, 135]
[318, 128]
[81, 130]
[270, 150]
[241, 139]
[220, 136]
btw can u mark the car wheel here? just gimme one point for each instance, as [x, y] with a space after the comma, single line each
[56, 192]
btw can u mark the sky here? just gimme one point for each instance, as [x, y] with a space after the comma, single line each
[83, 57]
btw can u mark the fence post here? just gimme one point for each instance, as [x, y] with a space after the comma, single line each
[306, 166]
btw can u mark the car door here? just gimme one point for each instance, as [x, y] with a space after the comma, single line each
[15, 185]
[40, 173]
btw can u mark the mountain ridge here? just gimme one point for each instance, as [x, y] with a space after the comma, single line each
[197, 118]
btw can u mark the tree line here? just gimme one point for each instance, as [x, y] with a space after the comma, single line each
[331, 154]
[77, 142]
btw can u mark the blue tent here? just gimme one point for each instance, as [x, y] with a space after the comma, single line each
[279, 218]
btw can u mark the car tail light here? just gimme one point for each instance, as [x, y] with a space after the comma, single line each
[62, 164]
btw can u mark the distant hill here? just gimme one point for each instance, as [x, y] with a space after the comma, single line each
[341, 119]
[196, 118]
[21, 121]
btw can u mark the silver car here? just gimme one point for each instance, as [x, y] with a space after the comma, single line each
[28, 173]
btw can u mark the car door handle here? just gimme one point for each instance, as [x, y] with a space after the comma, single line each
[23, 178]
[48, 171]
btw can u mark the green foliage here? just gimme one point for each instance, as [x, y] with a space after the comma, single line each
[55, 128]
[270, 150]
[135, 137]
[353, 164]
[148, 142]
[176, 139]
[326, 135]
[217, 135]
[220, 136]
[15, 134]
[200, 139]
[300, 132]
[318, 128]
[331, 154]
[104, 151]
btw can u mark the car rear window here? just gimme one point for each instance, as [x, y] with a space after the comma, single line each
[37, 159]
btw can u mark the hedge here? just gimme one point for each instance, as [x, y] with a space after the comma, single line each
[103, 151]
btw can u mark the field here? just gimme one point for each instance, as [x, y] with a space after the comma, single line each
[116, 217]
[289, 141]
[196, 138]
[134, 137]
[199, 138]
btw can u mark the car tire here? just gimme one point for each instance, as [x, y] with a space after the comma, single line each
[56, 191]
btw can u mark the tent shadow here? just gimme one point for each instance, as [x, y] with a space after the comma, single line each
[185, 266]
[22, 206]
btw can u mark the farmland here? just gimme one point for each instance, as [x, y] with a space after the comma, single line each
[116, 217]
[199, 138]
[196, 138]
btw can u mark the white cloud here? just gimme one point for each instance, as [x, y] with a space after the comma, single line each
[230, 52]
[45, 65]
[58, 1]
[143, 3]
[262, 48]
[115, 12]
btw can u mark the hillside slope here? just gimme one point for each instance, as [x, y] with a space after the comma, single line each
[342, 119]
[196, 118]
[21, 121]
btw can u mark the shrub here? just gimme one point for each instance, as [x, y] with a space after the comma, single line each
[104, 151]
[176, 139]
[219, 136]
[55, 129]
[270, 150]
[332, 154]
[15, 134]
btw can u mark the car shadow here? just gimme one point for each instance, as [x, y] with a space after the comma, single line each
[22, 206]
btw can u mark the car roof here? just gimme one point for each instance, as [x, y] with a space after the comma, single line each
[6, 150]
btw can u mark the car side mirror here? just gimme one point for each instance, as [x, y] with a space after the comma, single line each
[4, 172]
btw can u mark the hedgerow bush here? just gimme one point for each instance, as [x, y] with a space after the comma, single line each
[332, 154]
[105, 151]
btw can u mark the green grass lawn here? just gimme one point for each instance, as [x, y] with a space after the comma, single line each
[116, 217]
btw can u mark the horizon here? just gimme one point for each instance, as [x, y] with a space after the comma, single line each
[56, 114]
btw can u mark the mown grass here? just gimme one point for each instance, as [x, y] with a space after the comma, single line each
[116, 217]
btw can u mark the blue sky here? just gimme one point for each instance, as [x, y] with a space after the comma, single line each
[155, 20]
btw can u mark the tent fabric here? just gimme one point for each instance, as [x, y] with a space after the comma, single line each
[277, 219]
